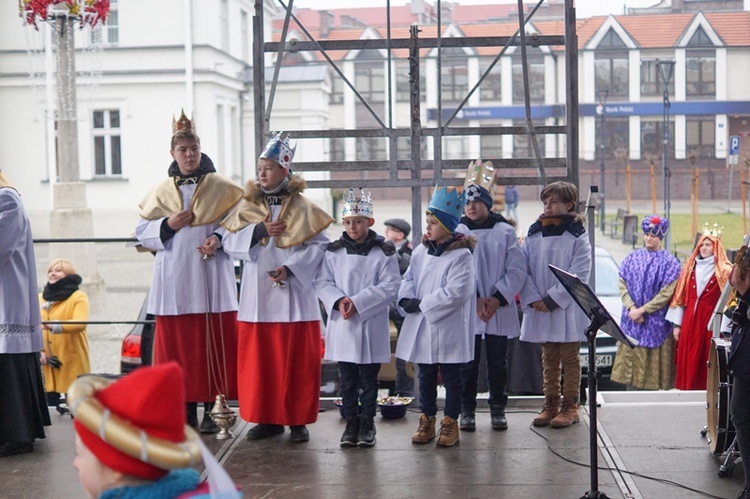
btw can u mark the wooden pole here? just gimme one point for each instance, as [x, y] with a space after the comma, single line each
[693, 201]
[653, 190]
[628, 182]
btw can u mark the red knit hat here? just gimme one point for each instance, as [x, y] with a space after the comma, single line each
[151, 399]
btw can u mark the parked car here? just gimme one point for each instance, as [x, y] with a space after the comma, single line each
[608, 291]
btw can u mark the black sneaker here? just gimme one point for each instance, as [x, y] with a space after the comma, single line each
[349, 437]
[366, 437]
[261, 431]
[745, 494]
[468, 422]
[207, 425]
[499, 421]
[299, 433]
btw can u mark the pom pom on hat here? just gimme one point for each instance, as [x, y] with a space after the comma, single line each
[655, 225]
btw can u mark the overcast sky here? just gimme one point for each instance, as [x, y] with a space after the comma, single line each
[584, 8]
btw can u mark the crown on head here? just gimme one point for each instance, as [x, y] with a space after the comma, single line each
[655, 225]
[354, 207]
[481, 174]
[278, 149]
[183, 124]
[449, 202]
[714, 231]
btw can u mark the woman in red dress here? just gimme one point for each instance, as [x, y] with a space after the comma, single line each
[698, 289]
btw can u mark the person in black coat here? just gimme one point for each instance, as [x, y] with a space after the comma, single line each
[739, 367]
[397, 231]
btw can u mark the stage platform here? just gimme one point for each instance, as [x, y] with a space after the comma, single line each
[653, 438]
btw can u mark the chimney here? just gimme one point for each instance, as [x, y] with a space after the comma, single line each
[678, 6]
[446, 12]
[326, 23]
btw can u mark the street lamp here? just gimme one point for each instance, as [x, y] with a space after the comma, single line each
[666, 68]
[601, 96]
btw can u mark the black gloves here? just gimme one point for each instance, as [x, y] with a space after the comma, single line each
[410, 305]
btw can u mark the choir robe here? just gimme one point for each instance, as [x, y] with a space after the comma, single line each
[443, 331]
[500, 267]
[279, 328]
[371, 281]
[193, 298]
[23, 404]
[570, 251]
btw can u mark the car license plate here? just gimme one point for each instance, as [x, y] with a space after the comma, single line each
[604, 360]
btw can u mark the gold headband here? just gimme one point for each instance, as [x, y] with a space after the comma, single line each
[123, 436]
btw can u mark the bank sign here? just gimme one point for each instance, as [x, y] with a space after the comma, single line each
[615, 109]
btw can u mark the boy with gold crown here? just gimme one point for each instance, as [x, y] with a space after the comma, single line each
[500, 274]
[280, 236]
[437, 299]
[193, 297]
[358, 279]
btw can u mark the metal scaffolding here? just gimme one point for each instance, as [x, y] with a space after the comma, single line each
[548, 169]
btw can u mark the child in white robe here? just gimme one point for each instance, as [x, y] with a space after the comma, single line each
[358, 279]
[437, 297]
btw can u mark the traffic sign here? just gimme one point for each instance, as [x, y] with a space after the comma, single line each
[734, 159]
[734, 145]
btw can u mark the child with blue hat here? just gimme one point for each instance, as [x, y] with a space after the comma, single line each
[437, 300]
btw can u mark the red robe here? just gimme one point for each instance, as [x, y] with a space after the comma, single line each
[695, 337]
[182, 338]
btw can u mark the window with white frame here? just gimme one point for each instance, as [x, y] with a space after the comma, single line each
[107, 147]
[108, 32]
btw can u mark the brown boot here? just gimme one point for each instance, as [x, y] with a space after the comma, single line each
[568, 415]
[549, 411]
[426, 430]
[448, 433]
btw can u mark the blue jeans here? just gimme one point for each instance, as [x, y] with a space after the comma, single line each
[428, 378]
[740, 409]
[497, 374]
[353, 377]
[511, 209]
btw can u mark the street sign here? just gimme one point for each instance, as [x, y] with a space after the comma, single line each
[734, 159]
[734, 145]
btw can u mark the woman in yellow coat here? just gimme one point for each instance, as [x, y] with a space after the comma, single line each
[61, 300]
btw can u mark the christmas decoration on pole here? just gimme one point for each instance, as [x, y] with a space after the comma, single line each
[88, 12]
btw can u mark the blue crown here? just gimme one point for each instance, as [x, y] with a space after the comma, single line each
[449, 202]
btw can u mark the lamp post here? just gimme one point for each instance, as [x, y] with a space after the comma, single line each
[665, 68]
[601, 96]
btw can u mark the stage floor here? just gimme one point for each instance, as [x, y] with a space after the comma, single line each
[655, 434]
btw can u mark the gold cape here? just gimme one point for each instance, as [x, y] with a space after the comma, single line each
[213, 197]
[303, 219]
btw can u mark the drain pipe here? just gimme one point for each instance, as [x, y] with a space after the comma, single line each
[189, 70]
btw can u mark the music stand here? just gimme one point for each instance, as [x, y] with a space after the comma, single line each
[600, 319]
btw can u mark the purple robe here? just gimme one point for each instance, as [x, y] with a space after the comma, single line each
[646, 273]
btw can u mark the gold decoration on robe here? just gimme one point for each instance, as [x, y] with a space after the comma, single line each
[213, 197]
[303, 219]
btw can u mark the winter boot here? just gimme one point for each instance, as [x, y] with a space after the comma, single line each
[448, 434]
[549, 411]
[426, 430]
[498, 420]
[207, 424]
[468, 422]
[349, 437]
[367, 432]
[568, 415]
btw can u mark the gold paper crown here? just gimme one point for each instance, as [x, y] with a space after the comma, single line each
[182, 124]
[481, 174]
[714, 231]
